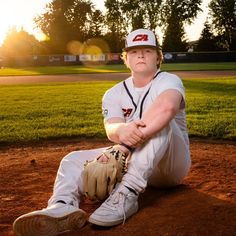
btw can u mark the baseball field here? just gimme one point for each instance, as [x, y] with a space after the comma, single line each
[45, 116]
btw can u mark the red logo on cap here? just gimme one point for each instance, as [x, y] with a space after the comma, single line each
[140, 37]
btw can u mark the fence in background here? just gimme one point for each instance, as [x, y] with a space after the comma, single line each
[112, 58]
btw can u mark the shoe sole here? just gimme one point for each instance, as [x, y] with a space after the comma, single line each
[105, 224]
[111, 223]
[43, 225]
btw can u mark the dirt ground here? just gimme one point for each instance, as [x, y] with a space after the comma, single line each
[205, 204]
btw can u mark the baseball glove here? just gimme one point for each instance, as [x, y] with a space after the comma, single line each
[100, 177]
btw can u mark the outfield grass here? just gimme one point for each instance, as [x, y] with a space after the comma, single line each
[53, 70]
[211, 107]
[31, 113]
[72, 110]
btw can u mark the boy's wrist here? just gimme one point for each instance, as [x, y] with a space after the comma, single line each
[127, 147]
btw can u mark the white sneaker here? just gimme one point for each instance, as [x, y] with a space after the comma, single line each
[121, 204]
[50, 221]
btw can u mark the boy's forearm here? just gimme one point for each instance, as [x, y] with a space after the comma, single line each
[112, 131]
[154, 124]
[160, 113]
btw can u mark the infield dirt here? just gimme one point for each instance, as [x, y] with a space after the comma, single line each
[205, 204]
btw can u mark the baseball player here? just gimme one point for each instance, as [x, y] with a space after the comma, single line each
[145, 118]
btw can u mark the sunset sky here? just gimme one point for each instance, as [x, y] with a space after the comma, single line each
[20, 13]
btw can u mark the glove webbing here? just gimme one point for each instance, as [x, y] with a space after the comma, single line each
[119, 156]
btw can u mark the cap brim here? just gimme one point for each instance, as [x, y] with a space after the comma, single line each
[140, 46]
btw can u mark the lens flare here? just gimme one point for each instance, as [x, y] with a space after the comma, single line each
[100, 43]
[92, 52]
[75, 47]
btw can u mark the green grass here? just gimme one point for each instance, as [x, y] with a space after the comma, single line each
[54, 70]
[73, 110]
[211, 107]
[32, 113]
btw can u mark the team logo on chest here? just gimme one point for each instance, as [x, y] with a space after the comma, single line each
[127, 111]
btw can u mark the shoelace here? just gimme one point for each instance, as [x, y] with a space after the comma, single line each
[123, 208]
[118, 198]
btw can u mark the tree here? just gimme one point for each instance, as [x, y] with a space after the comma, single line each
[141, 14]
[207, 40]
[79, 15]
[174, 14]
[116, 25]
[96, 25]
[152, 13]
[55, 25]
[127, 15]
[223, 13]
[174, 37]
[69, 20]
[133, 13]
[19, 43]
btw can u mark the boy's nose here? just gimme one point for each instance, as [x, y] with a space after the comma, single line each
[140, 53]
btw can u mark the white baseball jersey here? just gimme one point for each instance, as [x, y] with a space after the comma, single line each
[127, 102]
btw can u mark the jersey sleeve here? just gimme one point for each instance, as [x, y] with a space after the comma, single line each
[172, 82]
[111, 104]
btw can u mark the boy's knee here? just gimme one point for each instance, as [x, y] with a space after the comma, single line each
[71, 157]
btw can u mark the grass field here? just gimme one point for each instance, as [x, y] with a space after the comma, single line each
[52, 70]
[72, 110]
[211, 107]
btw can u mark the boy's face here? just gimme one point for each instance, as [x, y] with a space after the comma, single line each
[142, 59]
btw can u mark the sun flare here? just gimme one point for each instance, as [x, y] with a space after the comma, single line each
[20, 14]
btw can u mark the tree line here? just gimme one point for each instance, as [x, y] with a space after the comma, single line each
[78, 21]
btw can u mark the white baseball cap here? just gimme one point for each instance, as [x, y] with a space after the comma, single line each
[141, 38]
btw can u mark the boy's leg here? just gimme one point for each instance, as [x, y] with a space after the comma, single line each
[68, 186]
[166, 155]
[62, 213]
[175, 164]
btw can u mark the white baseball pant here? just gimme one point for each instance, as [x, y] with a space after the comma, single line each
[163, 161]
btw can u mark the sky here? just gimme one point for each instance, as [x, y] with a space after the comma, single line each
[20, 13]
